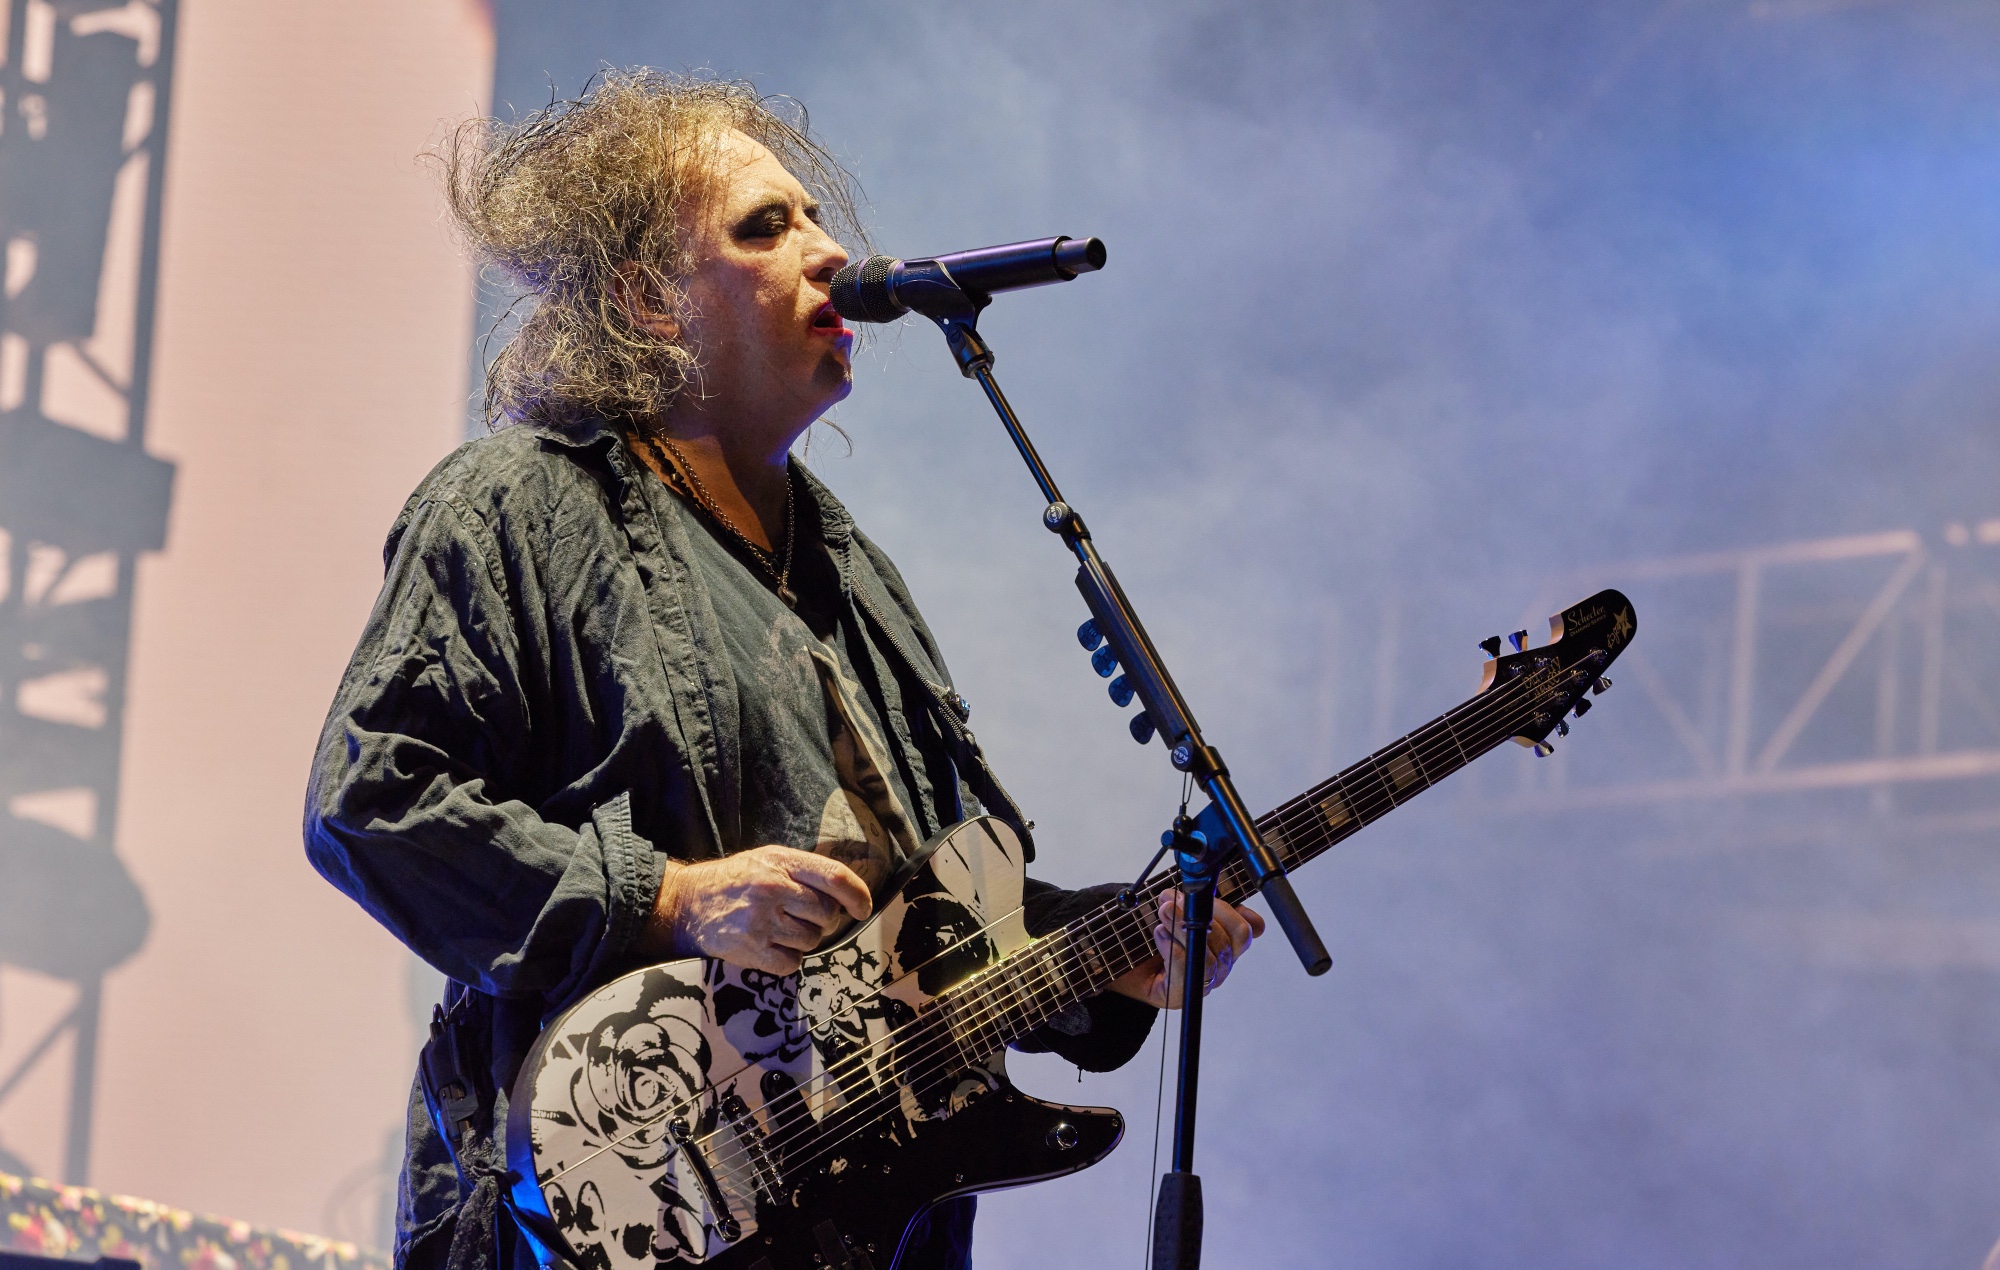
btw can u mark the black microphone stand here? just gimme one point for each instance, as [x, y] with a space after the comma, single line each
[1177, 1219]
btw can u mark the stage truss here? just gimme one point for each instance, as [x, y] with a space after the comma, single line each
[1868, 664]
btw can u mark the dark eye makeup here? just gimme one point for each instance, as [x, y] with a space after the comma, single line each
[767, 220]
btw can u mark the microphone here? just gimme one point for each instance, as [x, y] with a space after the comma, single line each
[957, 284]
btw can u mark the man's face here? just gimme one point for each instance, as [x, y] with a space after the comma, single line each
[772, 348]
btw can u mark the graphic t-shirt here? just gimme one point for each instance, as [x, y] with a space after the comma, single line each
[817, 771]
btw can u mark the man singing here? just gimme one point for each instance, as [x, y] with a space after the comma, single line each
[636, 688]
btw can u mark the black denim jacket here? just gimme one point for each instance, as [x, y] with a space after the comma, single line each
[540, 712]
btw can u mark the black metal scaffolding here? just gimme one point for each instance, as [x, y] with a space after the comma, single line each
[84, 92]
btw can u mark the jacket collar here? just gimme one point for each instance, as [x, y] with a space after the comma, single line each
[835, 524]
[589, 434]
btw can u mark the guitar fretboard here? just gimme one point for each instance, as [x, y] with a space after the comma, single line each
[1081, 960]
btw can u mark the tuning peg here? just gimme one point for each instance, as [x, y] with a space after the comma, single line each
[1121, 692]
[1141, 727]
[1582, 707]
[1490, 646]
[1543, 749]
[1104, 662]
[1088, 635]
[1562, 727]
[1598, 688]
[1518, 639]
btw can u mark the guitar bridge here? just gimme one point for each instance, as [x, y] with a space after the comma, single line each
[770, 1182]
[726, 1224]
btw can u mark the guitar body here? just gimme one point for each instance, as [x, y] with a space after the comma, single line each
[698, 1113]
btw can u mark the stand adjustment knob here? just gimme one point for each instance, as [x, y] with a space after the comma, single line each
[1104, 662]
[1121, 692]
[1142, 728]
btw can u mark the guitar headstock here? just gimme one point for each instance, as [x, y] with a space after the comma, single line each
[1561, 676]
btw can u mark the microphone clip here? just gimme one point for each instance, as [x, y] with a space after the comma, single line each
[962, 336]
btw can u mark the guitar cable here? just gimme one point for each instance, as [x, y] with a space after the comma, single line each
[1153, 1177]
[1160, 1084]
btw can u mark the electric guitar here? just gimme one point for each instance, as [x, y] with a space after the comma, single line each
[699, 1113]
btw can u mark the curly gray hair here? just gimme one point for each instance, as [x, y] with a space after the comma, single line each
[564, 200]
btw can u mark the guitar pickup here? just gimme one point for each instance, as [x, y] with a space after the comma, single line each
[764, 1169]
[726, 1224]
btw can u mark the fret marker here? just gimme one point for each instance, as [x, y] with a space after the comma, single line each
[1086, 949]
[1403, 770]
[1335, 811]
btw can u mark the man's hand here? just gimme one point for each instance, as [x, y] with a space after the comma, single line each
[1158, 982]
[764, 908]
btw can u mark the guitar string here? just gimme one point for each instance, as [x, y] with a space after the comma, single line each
[1309, 805]
[984, 1014]
[1097, 921]
[815, 1132]
[787, 1141]
[799, 1098]
[866, 1104]
[857, 1113]
[802, 1144]
[797, 1135]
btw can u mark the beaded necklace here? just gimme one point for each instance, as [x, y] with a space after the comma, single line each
[778, 566]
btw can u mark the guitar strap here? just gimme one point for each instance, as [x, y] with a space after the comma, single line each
[455, 1073]
[948, 712]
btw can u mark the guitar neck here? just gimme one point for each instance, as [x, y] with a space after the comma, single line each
[1084, 958]
[1337, 808]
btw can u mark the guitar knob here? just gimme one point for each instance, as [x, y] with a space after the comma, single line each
[1518, 639]
[1490, 646]
[1064, 1136]
[1088, 635]
[1562, 727]
[1141, 727]
[1121, 692]
[1582, 706]
[1543, 749]
[1600, 686]
[1104, 662]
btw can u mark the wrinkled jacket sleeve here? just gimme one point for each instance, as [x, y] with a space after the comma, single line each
[1104, 1032]
[415, 805]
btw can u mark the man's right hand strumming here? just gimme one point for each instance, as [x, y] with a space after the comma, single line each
[764, 908]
